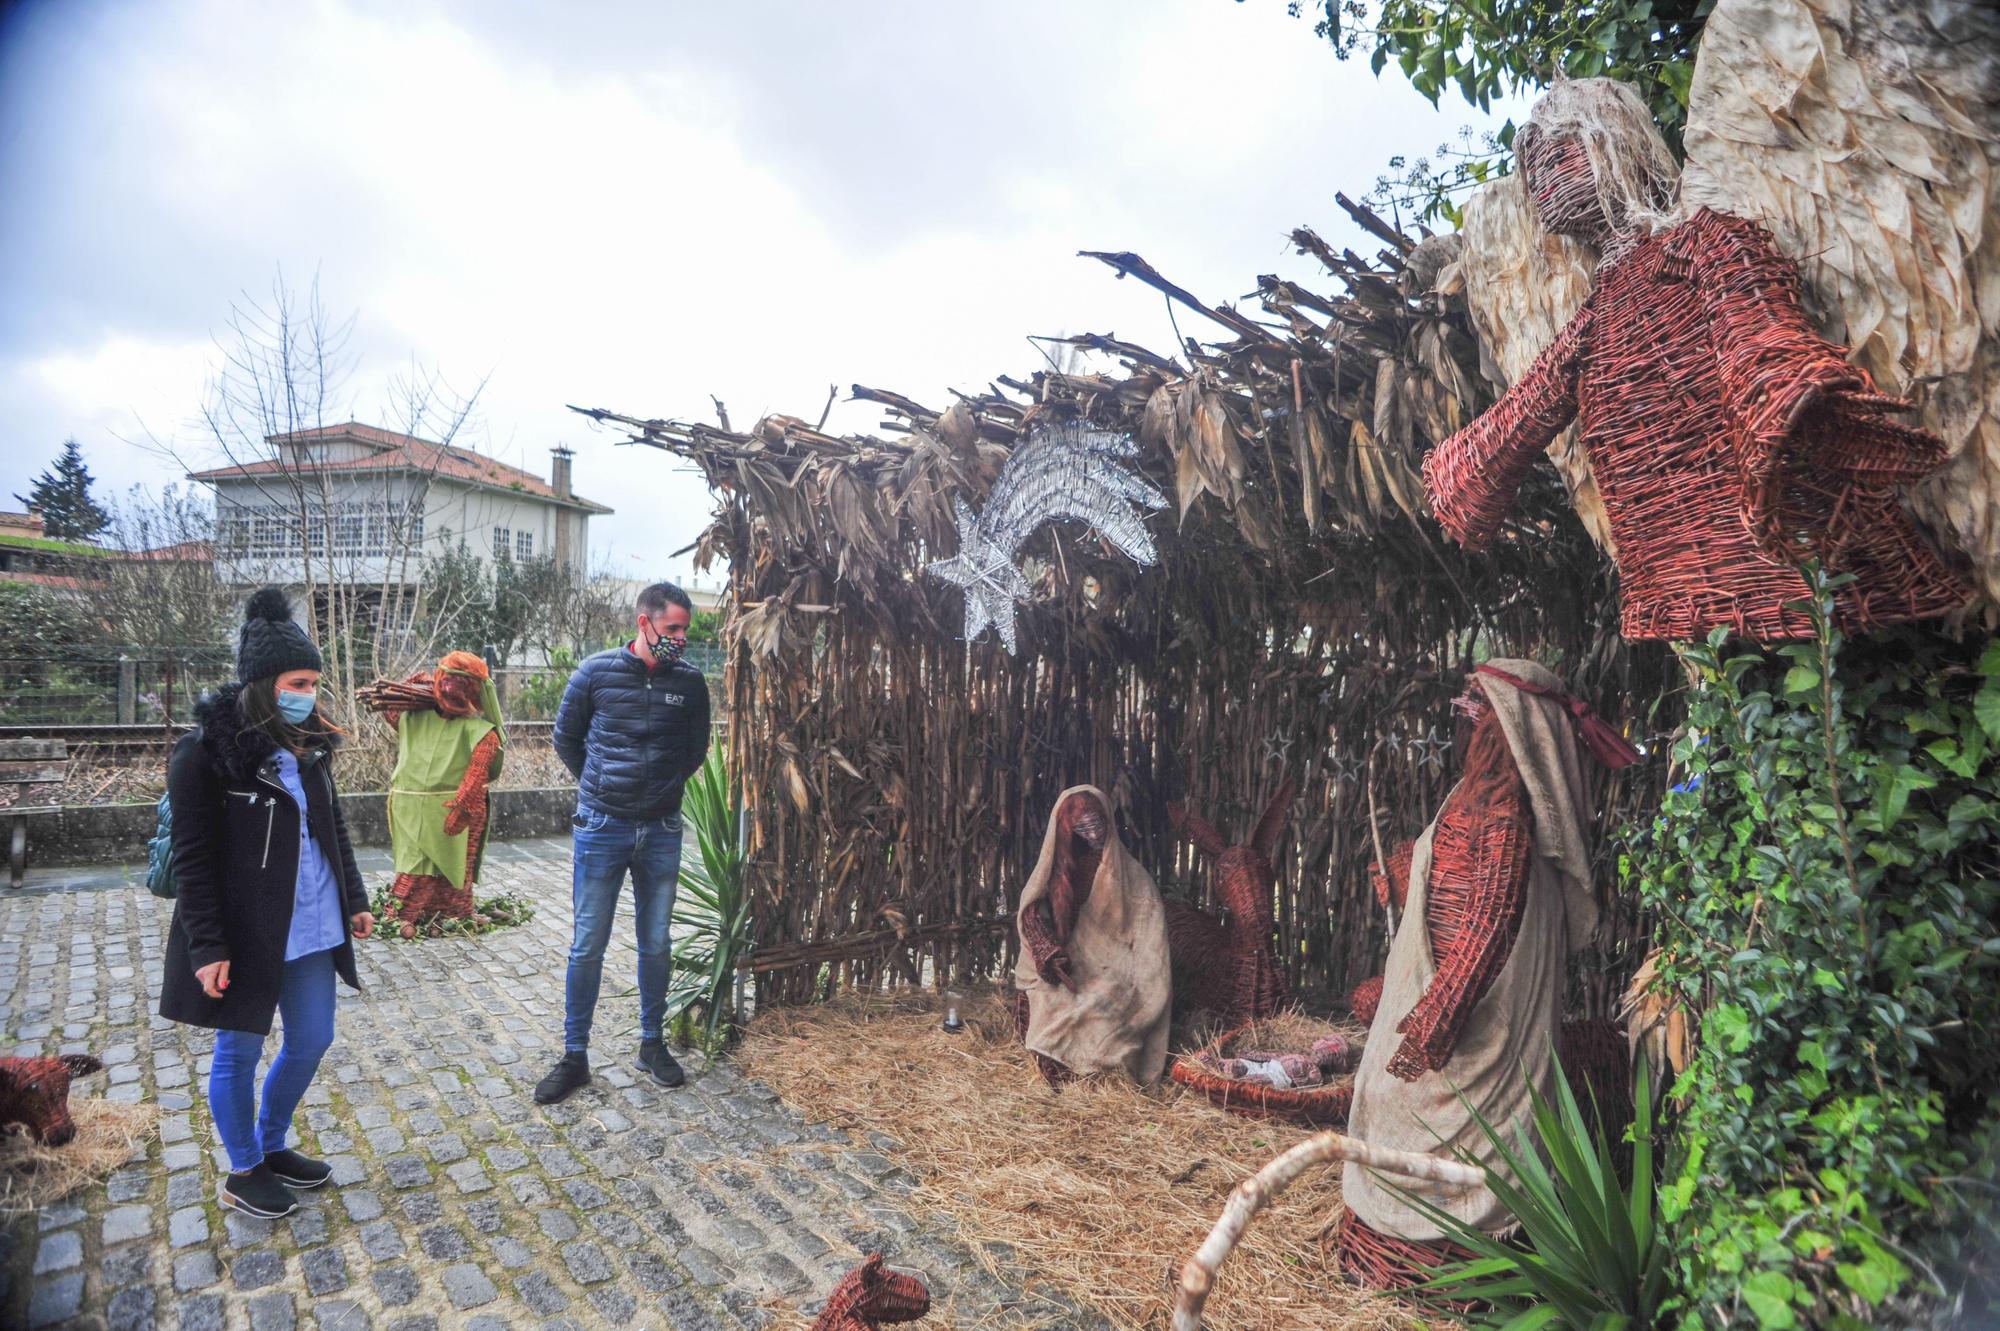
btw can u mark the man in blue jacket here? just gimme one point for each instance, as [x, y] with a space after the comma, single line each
[633, 727]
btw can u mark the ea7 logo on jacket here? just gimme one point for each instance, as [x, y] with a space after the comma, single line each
[676, 699]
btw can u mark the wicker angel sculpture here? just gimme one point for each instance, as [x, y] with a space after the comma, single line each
[448, 750]
[1726, 440]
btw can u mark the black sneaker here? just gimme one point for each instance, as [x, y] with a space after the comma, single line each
[257, 1192]
[570, 1072]
[654, 1059]
[297, 1171]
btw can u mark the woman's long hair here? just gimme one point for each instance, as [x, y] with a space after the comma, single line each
[258, 701]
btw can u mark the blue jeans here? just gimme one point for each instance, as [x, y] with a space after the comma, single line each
[603, 848]
[305, 1002]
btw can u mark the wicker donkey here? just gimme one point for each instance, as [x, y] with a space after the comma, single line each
[1227, 968]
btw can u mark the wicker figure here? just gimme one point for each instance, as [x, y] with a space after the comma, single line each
[34, 1095]
[871, 1295]
[1228, 968]
[449, 748]
[1506, 847]
[1729, 441]
[1093, 979]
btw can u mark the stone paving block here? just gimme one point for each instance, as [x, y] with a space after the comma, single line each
[381, 1240]
[396, 1285]
[511, 1253]
[196, 1270]
[131, 1310]
[272, 1312]
[423, 1208]
[587, 1263]
[616, 1305]
[445, 1243]
[59, 1252]
[56, 1299]
[543, 1297]
[257, 1268]
[557, 1225]
[324, 1269]
[406, 1171]
[308, 1225]
[58, 1214]
[347, 1170]
[186, 1189]
[423, 1322]
[467, 1286]
[201, 1312]
[129, 1265]
[246, 1230]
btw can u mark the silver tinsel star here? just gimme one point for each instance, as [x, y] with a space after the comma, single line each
[1069, 471]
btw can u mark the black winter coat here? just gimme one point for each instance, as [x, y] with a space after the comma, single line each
[632, 736]
[236, 867]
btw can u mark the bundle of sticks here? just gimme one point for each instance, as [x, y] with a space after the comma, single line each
[386, 696]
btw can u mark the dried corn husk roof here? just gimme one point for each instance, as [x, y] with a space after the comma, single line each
[1291, 444]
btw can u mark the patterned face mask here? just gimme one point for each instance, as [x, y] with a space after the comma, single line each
[664, 649]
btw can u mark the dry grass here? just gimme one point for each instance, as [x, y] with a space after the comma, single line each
[1102, 1190]
[32, 1175]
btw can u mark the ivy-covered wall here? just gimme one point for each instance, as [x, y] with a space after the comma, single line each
[1827, 879]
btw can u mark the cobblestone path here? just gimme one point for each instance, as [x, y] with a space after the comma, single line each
[456, 1201]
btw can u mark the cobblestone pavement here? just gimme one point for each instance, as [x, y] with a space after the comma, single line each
[456, 1201]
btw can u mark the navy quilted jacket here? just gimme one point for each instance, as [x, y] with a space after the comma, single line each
[632, 736]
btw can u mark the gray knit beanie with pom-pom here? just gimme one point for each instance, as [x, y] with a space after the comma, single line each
[270, 643]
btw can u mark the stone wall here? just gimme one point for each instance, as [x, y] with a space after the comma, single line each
[117, 833]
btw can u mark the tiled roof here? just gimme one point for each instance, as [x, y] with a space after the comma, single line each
[402, 452]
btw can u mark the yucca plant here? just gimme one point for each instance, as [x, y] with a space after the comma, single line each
[1593, 1258]
[711, 910]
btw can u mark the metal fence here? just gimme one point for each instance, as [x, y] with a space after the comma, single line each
[529, 693]
[144, 686]
[138, 686]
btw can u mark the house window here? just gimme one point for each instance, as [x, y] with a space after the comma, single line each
[350, 526]
[524, 545]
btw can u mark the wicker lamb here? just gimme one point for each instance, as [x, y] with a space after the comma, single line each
[1729, 441]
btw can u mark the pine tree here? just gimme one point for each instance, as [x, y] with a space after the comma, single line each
[61, 495]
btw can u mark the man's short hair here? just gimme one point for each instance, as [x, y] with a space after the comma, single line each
[661, 595]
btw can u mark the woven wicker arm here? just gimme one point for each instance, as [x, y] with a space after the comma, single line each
[1391, 889]
[471, 795]
[1778, 376]
[1038, 936]
[1472, 476]
[1479, 870]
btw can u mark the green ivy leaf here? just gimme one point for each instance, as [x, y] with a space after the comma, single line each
[1986, 706]
[1769, 1296]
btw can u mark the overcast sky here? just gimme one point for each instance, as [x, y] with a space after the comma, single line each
[639, 205]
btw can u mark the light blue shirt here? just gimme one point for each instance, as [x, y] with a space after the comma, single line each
[318, 922]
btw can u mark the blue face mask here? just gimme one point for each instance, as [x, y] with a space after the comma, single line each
[296, 708]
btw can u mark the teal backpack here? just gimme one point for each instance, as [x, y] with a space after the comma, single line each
[160, 855]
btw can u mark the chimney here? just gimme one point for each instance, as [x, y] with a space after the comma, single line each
[559, 471]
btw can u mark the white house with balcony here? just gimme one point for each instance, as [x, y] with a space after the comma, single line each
[364, 506]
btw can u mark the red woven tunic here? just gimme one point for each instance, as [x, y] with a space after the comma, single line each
[1728, 440]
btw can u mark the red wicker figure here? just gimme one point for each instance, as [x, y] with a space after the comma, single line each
[1729, 441]
[871, 1295]
[1093, 979]
[1496, 893]
[1227, 968]
[458, 740]
[34, 1093]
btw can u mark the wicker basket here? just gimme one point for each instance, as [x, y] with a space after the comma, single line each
[1312, 1107]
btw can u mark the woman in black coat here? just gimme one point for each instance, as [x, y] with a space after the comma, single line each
[267, 894]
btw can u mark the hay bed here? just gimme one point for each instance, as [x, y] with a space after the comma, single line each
[1102, 1189]
[33, 1176]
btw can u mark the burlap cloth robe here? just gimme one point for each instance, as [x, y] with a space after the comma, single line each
[1504, 1048]
[1116, 1018]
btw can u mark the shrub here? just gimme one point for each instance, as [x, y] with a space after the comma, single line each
[1825, 883]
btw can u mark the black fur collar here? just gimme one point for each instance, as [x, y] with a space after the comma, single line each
[235, 748]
